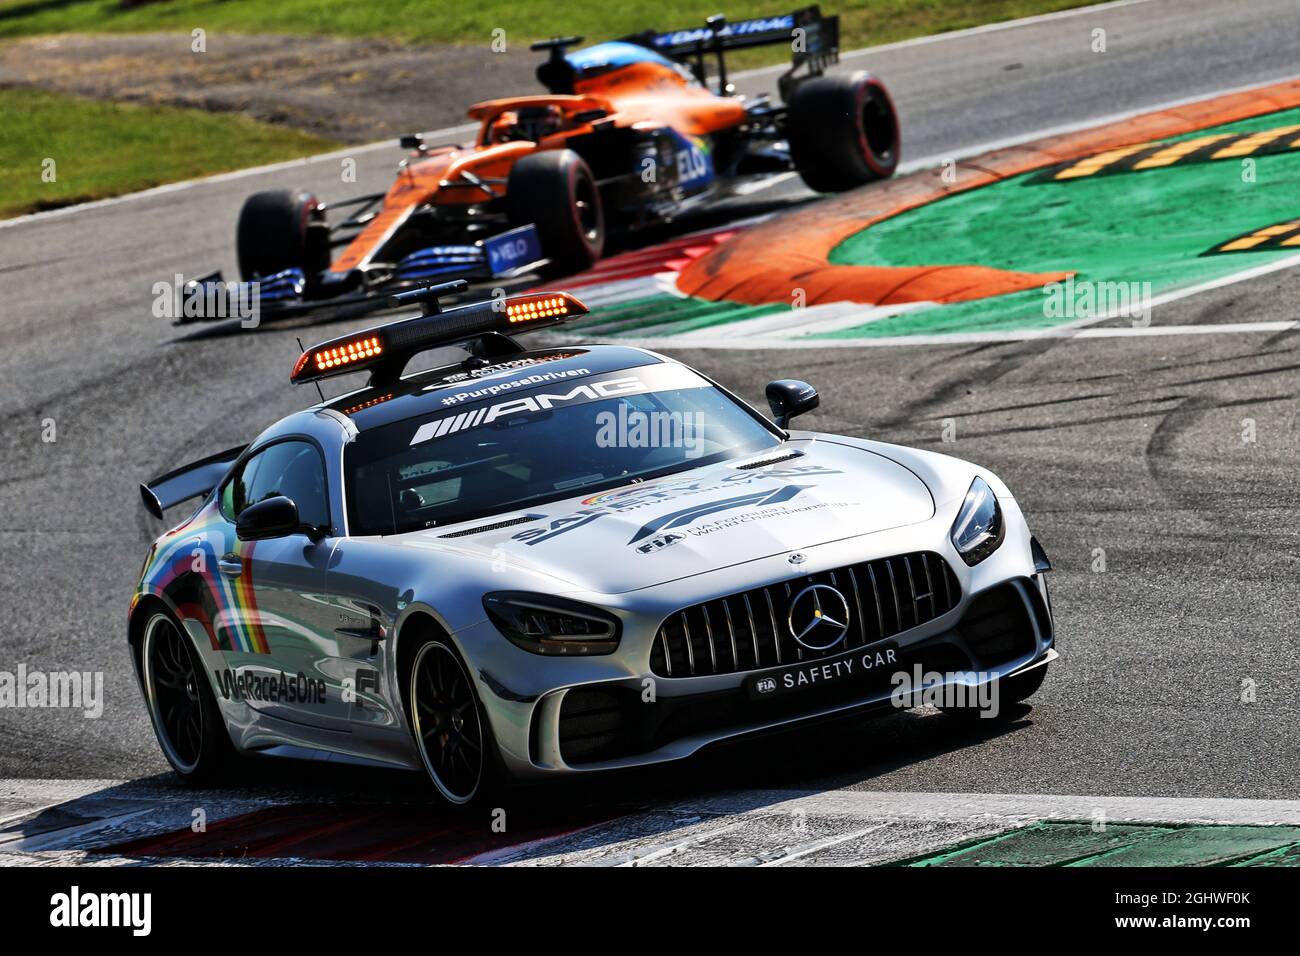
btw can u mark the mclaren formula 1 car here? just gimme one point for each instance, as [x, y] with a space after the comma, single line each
[535, 563]
[627, 133]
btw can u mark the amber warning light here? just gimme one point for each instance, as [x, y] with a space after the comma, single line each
[386, 349]
[529, 308]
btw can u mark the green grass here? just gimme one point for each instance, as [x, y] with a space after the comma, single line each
[104, 149]
[862, 21]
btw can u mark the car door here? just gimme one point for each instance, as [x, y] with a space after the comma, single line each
[279, 628]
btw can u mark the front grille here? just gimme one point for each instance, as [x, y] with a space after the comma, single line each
[749, 630]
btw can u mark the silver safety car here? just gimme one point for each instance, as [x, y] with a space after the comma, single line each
[536, 562]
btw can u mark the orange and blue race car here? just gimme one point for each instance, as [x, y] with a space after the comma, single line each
[629, 133]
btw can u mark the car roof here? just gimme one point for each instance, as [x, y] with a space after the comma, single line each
[422, 392]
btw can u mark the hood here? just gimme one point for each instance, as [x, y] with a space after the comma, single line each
[687, 524]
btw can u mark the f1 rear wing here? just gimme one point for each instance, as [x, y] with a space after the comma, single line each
[814, 41]
[189, 481]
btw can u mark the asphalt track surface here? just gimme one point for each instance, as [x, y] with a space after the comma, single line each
[1127, 444]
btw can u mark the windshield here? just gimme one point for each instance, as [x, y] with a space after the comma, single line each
[523, 444]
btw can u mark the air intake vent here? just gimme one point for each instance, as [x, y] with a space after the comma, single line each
[509, 522]
[750, 465]
[591, 722]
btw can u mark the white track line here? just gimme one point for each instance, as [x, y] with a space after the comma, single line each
[816, 846]
[758, 185]
[671, 849]
[1009, 808]
[951, 338]
[1070, 330]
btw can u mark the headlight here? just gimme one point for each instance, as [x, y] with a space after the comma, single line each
[979, 528]
[553, 626]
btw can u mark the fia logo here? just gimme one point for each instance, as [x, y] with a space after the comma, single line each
[766, 685]
[659, 543]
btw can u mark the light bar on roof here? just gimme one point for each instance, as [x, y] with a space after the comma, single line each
[339, 355]
[526, 308]
[386, 349]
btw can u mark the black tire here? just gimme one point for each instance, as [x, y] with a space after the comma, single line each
[281, 229]
[1011, 691]
[451, 730]
[182, 707]
[843, 131]
[556, 192]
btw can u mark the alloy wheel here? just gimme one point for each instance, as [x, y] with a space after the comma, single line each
[171, 679]
[447, 724]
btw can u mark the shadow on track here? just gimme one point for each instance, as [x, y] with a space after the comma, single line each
[320, 812]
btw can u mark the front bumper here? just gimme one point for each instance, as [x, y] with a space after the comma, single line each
[614, 725]
[555, 716]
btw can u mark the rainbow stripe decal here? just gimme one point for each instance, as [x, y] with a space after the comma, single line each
[186, 571]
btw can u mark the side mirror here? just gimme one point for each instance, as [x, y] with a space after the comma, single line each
[788, 398]
[271, 518]
[412, 141]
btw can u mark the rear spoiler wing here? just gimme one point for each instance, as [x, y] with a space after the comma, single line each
[818, 43]
[189, 481]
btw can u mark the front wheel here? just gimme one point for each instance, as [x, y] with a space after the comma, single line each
[183, 708]
[282, 229]
[451, 731]
[843, 131]
[555, 191]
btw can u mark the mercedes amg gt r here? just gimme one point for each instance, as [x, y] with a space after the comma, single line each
[534, 562]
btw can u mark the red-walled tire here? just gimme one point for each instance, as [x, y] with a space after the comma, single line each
[843, 131]
[281, 229]
[555, 191]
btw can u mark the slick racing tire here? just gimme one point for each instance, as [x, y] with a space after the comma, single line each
[555, 191]
[281, 229]
[181, 704]
[1010, 691]
[451, 731]
[843, 131]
